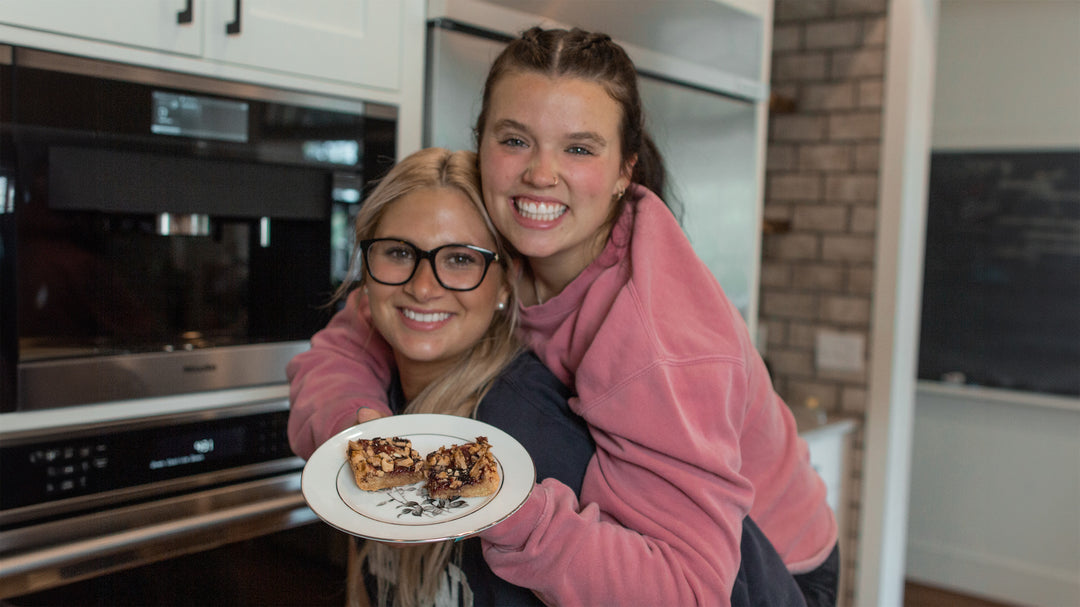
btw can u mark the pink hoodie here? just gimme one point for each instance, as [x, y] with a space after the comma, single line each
[690, 436]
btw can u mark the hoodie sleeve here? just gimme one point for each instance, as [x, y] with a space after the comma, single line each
[347, 367]
[660, 516]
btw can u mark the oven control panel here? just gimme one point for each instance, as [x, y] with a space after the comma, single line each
[111, 460]
[67, 468]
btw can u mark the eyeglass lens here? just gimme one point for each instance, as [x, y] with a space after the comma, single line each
[456, 267]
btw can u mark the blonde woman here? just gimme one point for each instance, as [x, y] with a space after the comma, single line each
[434, 281]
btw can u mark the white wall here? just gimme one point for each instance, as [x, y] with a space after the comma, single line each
[995, 476]
[995, 495]
[1008, 74]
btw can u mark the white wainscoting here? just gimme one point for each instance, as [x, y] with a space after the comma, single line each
[995, 495]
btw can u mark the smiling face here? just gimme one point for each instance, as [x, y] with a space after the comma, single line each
[428, 326]
[550, 159]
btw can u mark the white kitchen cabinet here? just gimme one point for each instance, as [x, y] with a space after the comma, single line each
[358, 42]
[148, 24]
[830, 454]
[354, 41]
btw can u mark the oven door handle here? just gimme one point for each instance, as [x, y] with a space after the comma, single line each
[56, 565]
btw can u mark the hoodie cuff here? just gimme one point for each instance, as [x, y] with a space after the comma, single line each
[515, 530]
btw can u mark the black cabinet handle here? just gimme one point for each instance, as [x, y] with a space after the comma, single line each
[233, 27]
[187, 15]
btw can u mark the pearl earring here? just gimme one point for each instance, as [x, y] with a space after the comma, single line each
[501, 306]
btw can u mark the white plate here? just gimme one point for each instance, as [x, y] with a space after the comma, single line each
[407, 514]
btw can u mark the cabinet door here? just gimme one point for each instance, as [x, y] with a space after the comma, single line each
[353, 41]
[153, 24]
[827, 457]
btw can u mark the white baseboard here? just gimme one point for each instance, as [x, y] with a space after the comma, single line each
[992, 576]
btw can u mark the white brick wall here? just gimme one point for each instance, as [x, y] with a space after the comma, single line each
[822, 178]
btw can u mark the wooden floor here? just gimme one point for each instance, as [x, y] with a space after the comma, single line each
[917, 595]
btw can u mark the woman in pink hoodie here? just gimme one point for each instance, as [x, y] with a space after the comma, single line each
[690, 437]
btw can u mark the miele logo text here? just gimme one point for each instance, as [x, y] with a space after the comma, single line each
[199, 368]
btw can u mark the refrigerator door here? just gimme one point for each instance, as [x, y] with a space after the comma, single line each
[457, 67]
[708, 142]
[709, 145]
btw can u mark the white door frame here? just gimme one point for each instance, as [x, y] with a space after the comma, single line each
[897, 300]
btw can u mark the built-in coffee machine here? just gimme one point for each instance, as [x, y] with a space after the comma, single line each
[155, 224]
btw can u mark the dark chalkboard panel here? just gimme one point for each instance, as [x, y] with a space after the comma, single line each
[1001, 292]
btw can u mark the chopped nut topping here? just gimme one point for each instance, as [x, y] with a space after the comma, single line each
[453, 467]
[384, 455]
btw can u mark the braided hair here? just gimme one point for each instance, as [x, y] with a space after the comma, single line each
[591, 56]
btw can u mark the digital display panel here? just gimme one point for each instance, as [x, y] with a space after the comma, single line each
[199, 117]
[197, 447]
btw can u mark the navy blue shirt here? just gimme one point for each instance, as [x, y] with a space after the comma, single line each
[530, 404]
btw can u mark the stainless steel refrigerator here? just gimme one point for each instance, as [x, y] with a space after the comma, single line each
[708, 141]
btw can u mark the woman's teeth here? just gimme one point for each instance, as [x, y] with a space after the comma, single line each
[432, 317]
[539, 211]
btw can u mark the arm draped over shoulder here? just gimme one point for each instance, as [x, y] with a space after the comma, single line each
[347, 367]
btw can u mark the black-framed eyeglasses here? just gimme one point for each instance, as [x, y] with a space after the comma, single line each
[457, 267]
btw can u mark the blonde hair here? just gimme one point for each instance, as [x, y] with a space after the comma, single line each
[419, 569]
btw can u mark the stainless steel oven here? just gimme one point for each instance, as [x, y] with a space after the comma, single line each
[167, 244]
[109, 490]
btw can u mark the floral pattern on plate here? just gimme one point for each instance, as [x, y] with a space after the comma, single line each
[413, 499]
